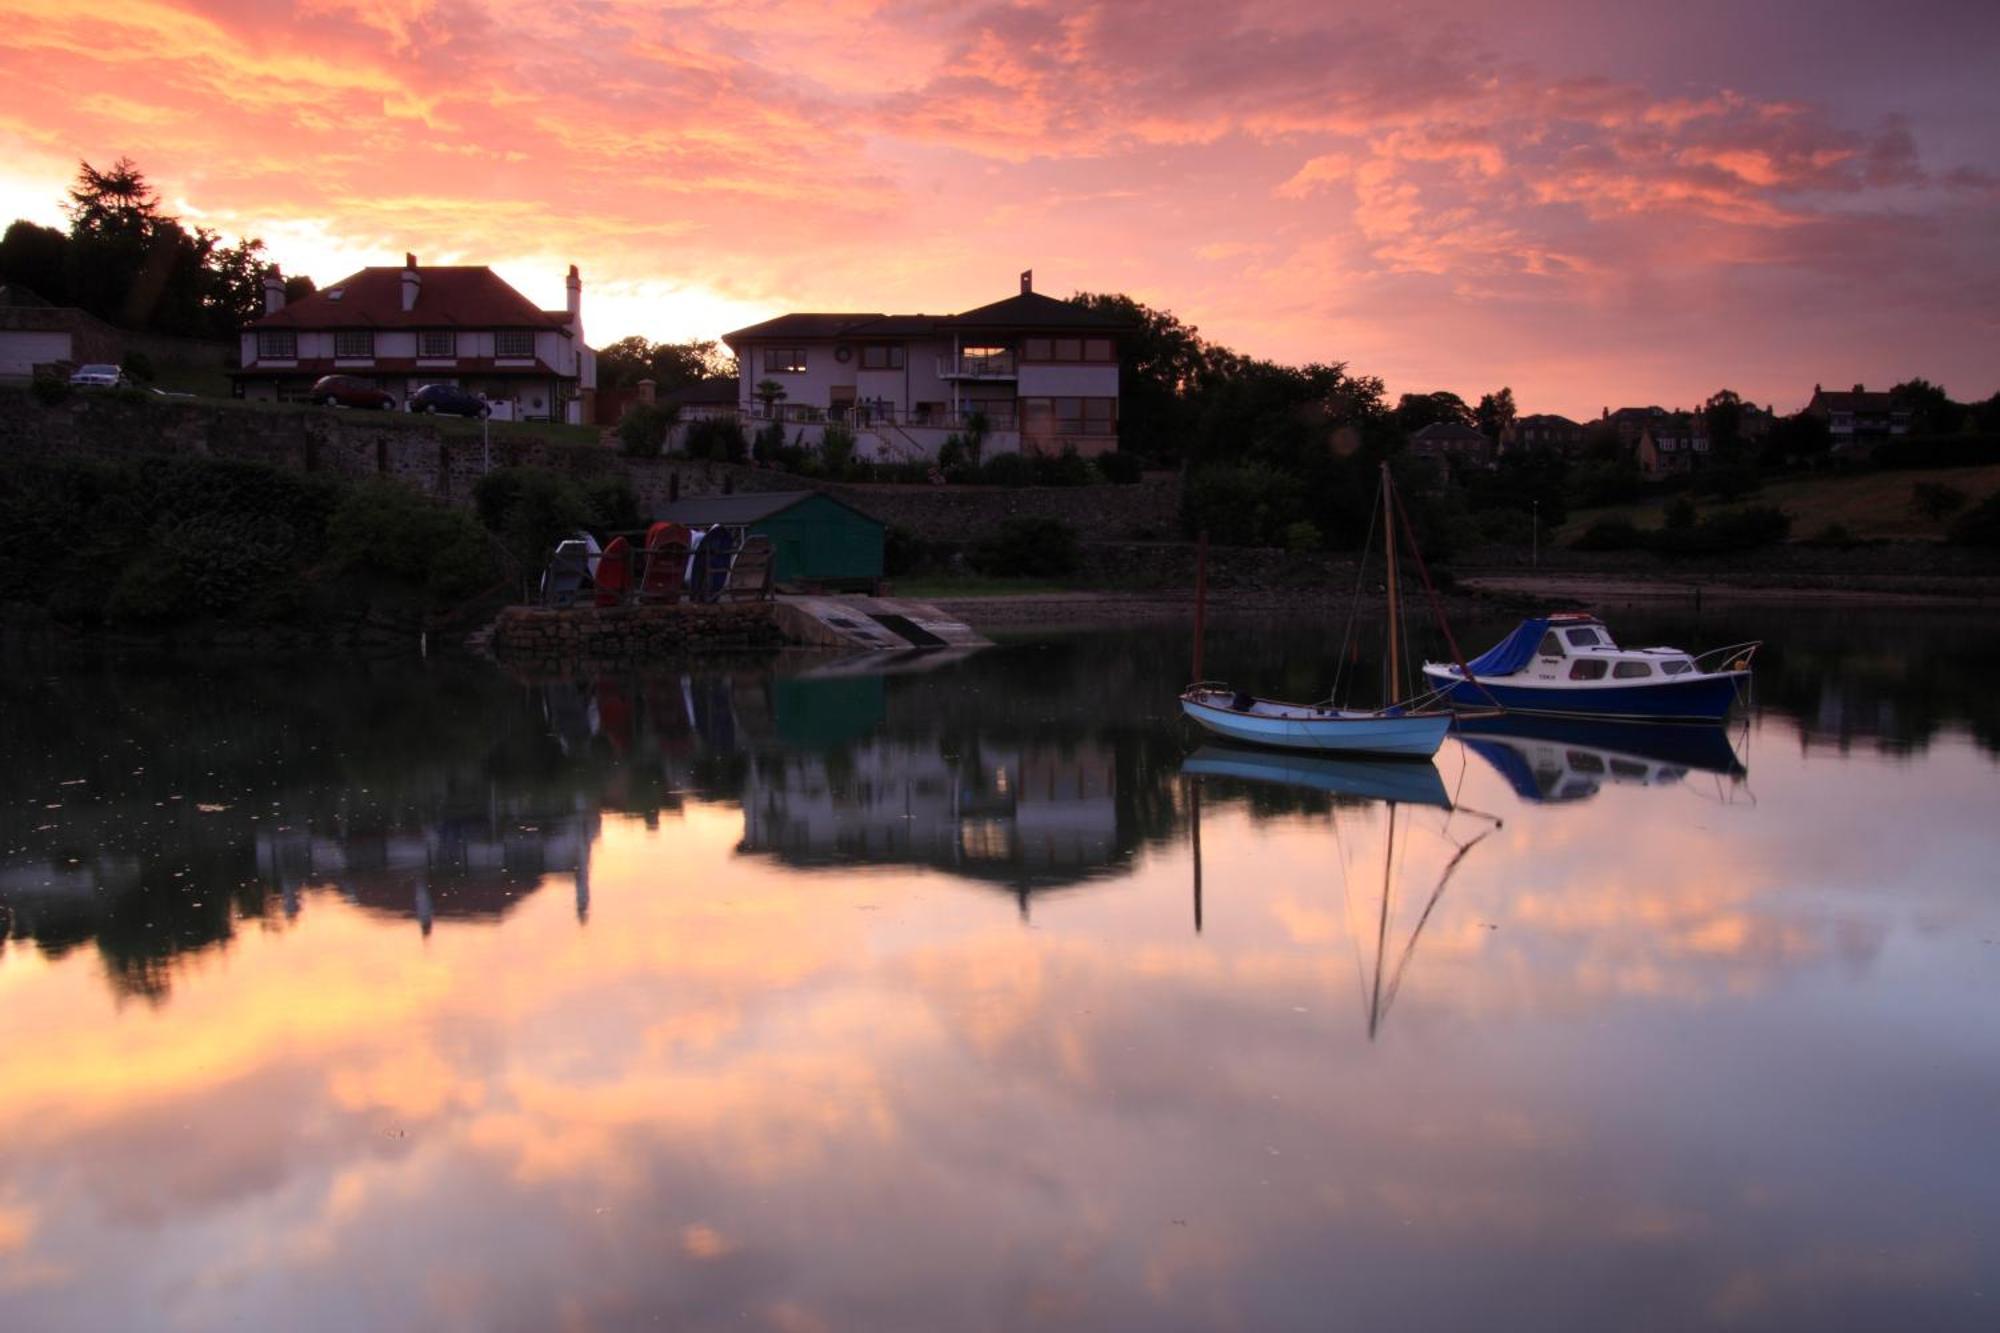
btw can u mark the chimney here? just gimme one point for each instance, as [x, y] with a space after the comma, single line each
[1858, 391]
[274, 290]
[1027, 281]
[575, 284]
[412, 282]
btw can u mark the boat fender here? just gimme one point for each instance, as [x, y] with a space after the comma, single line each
[1243, 702]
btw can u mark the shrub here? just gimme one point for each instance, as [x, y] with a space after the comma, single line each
[720, 439]
[1029, 548]
[1833, 534]
[1935, 500]
[642, 431]
[530, 509]
[137, 366]
[1979, 525]
[49, 389]
[951, 457]
[1680, 513]
[1728, 482]
[1726, 532]
[904, 551]
[836, 447]
[1067, 468]
[1609, 534]
[613, 504]
[1122, 468]
[1606, 483]
[1303, 537]
[767, 447]
[1007, 470]
[1239, 504]
[390, 531]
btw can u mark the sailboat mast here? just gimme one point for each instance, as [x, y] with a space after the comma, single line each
[1395, 601]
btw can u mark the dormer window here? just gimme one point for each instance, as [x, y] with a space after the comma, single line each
[335, 293]
[354, 345]
[514, 342]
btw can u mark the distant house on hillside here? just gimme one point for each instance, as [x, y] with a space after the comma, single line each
[1449, 439]
[1631, 422]
[1857, 415]
[1543, 430]
[402, 328]
[1673, 445]
[1041, 373]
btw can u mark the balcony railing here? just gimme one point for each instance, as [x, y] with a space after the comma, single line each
[999, 416]
[989, 366]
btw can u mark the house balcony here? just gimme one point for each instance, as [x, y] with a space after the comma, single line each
[985, 366]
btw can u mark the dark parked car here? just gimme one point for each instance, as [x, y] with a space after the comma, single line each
[350, 391]
[449, 398]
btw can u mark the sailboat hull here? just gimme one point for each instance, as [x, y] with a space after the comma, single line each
[1303, 727]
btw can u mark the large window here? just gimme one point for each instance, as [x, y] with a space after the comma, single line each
[354, 345]
[784, 360]
[437, 344]
[1070, 416]
[277, 345]
[1068, 349]
[514, 342]
[882, 356]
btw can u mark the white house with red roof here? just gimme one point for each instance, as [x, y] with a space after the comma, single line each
[1041, 373]
[403, 328]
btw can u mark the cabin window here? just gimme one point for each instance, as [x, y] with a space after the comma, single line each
[1631, 670]
[1627, 768]
[1584, 761]
[1584, 638]
[1674, 666]
[1585, 668]
[1551, 645]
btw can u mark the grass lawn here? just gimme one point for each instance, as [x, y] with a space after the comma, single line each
[932, 587]
[1868, 504]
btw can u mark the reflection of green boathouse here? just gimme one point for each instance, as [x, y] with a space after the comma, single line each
[815, 538]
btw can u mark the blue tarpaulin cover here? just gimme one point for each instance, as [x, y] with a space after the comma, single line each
[1511, 653]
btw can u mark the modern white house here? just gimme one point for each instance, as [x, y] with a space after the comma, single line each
[1041, 375]
[403, 328]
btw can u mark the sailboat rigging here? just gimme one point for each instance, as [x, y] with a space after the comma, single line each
[1402, 730]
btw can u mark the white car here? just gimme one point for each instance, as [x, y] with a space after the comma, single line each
[97, 377]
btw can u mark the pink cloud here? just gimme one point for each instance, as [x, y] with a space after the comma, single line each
[1217, 160]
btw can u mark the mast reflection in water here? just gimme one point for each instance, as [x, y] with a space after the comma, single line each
[782, 998]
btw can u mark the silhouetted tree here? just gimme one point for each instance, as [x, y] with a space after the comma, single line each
[1494, 414]
[1414, 411]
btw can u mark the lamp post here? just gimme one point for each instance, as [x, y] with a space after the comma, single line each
[1535, 535]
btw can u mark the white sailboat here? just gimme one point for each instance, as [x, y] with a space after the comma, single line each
[1412, 730]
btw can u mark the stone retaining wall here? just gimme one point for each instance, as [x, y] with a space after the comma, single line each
[622, 636]
[447, 464]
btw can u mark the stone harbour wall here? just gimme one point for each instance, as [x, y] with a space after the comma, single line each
[622, 636]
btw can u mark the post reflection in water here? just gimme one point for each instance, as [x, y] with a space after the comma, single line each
[408, 996]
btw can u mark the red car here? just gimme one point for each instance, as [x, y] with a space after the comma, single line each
[350, 391]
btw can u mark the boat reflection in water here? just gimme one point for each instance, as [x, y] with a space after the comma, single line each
[1403, 791]
[1552, 760]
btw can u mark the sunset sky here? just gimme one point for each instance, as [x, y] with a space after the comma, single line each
[1593, 204]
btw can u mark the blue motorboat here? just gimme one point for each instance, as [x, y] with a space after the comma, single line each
[1568, 665]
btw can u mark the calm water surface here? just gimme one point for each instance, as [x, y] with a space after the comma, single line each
[424, 997]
